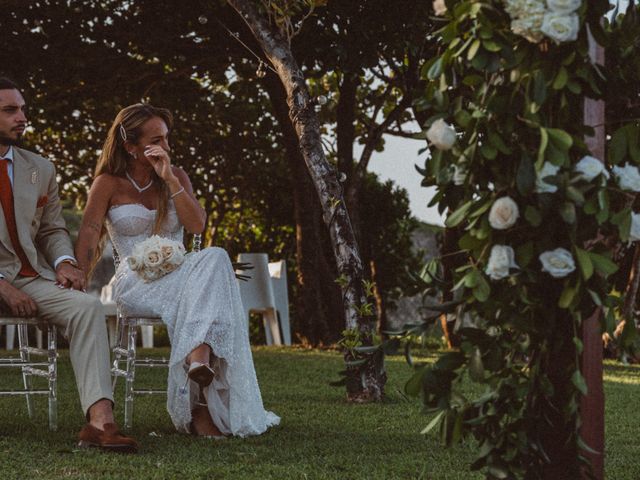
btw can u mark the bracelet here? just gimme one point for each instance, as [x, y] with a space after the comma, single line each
[177, 193]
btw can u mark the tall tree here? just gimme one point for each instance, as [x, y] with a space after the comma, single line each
[304, 119]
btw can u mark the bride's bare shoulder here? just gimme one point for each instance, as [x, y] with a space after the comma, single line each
[106, 181]
[105, 186]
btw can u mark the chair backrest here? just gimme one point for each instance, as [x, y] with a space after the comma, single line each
[257, 292]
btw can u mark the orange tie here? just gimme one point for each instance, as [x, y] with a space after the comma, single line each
[6, 198]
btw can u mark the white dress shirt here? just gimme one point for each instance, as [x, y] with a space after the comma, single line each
[9, 156]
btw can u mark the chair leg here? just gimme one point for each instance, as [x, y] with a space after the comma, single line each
[117, 357]
[11, 335]
[53, 377]
[272, 332]
[131, 373]
[285, 328]
[23, 344]
[147, 336]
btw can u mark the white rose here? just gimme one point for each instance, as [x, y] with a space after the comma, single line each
[173, 254]
[439, 7]
[560, 27]
[459, 175]
[152, 258]
[441, 135]
[564, 6]
[590, 167]
[548, 170]
[504, 213]
[524, 8]
[558, 263]
[628, 177]
[529, 27]
[501, 259]
[134, 262]
[634, 233]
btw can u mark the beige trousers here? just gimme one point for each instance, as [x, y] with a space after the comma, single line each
[81, 318]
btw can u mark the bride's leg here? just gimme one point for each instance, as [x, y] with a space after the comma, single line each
[200, 354]
[202, 424]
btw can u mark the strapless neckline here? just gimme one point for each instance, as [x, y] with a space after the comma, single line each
[141, 205]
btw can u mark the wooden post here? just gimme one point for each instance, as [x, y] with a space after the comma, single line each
[592, 405]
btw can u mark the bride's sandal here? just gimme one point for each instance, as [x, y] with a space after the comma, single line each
[201, 373]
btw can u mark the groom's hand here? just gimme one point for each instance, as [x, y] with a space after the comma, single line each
[20, 304]
[70, 276]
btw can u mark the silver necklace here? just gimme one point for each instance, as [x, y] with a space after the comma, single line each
[136, 186]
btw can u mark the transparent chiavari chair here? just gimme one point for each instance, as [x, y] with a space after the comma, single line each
[46, 368]
[125, 350]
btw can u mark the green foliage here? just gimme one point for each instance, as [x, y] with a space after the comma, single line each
[517, 107]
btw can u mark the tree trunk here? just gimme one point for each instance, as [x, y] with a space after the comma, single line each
[314, 305]
[370, 377]
[381, 306]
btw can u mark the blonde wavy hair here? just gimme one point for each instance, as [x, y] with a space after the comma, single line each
[114, 159]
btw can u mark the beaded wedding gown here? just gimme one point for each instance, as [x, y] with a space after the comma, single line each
[200, 303]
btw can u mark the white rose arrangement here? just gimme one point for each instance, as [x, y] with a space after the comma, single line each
[590, 167]
[155, 257]
[503, 214]
[535, 19]
[547, 170]
[634, 232]
[501, 260]
[628, 177]
[439, 7]
[558, 263]
[441, 135]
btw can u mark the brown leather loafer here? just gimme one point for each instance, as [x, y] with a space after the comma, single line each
[108, 439]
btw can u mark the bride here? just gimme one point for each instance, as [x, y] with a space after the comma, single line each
[137, 193]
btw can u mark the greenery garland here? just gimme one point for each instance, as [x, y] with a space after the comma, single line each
[539, 220]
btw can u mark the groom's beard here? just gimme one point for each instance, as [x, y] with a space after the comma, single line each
[8, 141]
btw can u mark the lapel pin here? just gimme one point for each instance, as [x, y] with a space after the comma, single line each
[34, 177]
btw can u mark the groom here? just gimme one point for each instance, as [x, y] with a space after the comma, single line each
[38, 274]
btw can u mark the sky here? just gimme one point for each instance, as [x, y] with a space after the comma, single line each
[397, 162]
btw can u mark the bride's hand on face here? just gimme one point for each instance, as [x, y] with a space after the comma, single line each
[159, 159]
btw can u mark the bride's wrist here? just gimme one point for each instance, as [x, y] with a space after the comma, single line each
[173, 184]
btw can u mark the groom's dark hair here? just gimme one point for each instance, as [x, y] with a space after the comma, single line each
[8, 84]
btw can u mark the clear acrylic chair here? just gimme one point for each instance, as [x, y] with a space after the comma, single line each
[45, 368]
[127, 334]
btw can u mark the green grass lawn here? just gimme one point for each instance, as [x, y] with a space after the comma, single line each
[320, 437]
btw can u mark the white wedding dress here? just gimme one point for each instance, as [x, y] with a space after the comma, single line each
[200, 303]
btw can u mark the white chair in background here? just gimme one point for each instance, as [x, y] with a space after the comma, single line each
[10, 331]
[278, 274]
[257, 294]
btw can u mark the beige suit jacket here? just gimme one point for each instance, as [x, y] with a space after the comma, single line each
[41, 230]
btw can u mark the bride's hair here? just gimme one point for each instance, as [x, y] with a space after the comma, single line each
[127, 126]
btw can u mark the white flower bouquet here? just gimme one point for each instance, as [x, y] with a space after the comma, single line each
[155, 257]
[535, 19]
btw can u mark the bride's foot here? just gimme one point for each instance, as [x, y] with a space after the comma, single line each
[202, 425]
